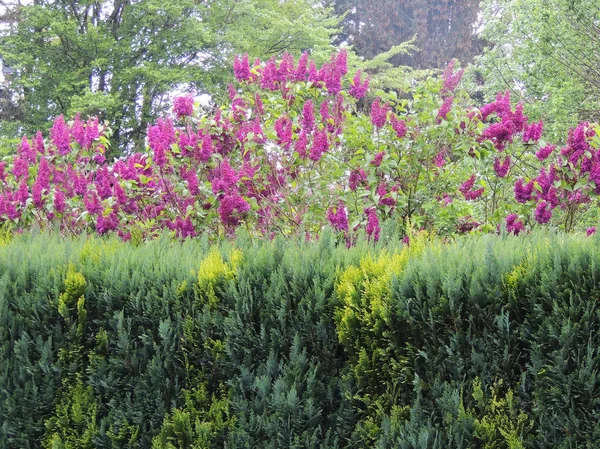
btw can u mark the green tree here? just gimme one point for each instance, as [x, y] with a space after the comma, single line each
[546, 53]
[122, 59]
[444, 29]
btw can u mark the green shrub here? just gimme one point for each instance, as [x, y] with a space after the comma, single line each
[491, 342]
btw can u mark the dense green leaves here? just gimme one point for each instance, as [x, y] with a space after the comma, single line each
[545, 51]
[484, 343]
[122, 60]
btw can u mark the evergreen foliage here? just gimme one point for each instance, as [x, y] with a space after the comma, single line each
[489, 342]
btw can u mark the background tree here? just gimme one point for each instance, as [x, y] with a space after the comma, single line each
[444, 29]
[547, 52]
[122, 60]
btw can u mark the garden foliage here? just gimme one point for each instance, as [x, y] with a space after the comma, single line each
[491, 342]
[294, 152]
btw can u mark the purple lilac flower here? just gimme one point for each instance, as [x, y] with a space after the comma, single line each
[399, 126]
[320, 145]
[543, 212]
[283, 128]
[60, 135]
[359, 89]
[78, 131]
[379, 113]
[308, 115]
[184, 106]
[513, 226]
[26, 151]
[225, 179]
[445, 109]
[466, 189]
[451, 78]
[160, 138]
[499, 134]
[92, 203]
[357, 177]
[39, 143]
[106, 224]
[36, 194]
[206, 150]
[20, 167]
[59, 201]
[241, 68]
[543, 153]
[43, 176]
[533, 132]
[378, 158]
[577, 144]
[523, 191]
[23, 193]
[337, 217]
[439, 160]
[302, 144]
[373, 228]
[232, 209]
[502, 168]
[301, 70]
[119, 194]
[313, 74]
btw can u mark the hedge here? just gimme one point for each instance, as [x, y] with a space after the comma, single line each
[487, 342]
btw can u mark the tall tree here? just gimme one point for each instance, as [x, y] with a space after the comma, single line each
[547, 52]
[122, 59]
[444, 29]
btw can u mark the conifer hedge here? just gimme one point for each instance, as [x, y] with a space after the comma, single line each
[490, 342]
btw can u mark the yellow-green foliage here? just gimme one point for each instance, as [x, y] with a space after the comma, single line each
[363, 292]
[520, 275]
[202, 423]
[213, 270]
[73, 300]
[73, 425]
[363, 323]
[94, 250]
[502, 425]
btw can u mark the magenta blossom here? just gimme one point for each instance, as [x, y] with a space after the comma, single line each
[183, 106]
[445, 109]
[160, 137]
[533, 132]
[232, 209]
[337, 217]
[373, 228]
[60, 135]
[513, 226]
[523, 191]
[466, 189]
[502, 168]
[451, 78]
[378, 158]
[241, 68]
[359, 89]
[399, 126]
[543, 153]
[308, 115]
[357, 177]
[320, 145]
[543, 212]
[379, 113]
[590, 231]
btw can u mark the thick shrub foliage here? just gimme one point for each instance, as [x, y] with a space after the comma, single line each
[487, 343]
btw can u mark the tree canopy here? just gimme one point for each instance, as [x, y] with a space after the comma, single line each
[444, 29]
[122, 59]
[547, 53]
